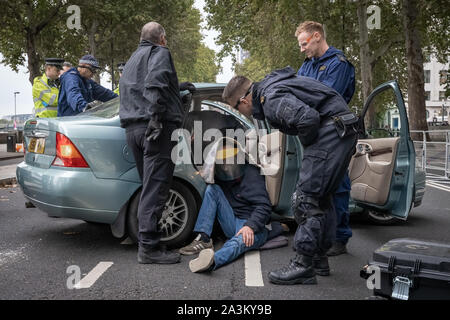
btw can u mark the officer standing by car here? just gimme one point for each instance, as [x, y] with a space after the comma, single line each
[150, 110]
[329, 66]
[46, 89]
[79, 91]
[327, 130]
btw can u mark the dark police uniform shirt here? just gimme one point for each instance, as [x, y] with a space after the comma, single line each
[249, 198]
[149, 86]
[333, 70]
[76, 92]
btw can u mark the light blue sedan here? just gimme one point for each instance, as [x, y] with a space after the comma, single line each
[81, 167]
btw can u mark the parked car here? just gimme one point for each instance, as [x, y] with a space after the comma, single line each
[81, 167]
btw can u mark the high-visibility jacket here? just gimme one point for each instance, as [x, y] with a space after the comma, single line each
[116, 91]
[45, 97]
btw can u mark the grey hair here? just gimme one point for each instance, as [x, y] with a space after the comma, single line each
[152, 31]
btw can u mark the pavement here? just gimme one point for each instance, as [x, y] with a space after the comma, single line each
[7, 170]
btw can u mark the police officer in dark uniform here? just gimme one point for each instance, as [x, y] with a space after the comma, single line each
[327, 129]
[150, 110]
[329, 66]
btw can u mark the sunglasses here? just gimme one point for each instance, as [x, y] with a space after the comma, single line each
[304, 44]
[89, 68]
[243, 97]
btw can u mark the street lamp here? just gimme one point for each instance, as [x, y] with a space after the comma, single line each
[15, 108]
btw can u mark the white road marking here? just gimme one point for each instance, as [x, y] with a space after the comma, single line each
[10, 256]
[253, 274]
[437, 186]
[93, 276]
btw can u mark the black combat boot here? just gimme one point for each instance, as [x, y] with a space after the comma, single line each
[147, 255]
[299, 271]
[320, 264]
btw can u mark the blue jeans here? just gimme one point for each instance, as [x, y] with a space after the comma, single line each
[216, 204]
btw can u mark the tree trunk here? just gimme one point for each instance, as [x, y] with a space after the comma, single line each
[33, 58]
[414, 57]
[365, 58]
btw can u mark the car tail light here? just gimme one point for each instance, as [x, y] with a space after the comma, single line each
[67, 155]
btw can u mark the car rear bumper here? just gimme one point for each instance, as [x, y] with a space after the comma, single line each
[74, 193]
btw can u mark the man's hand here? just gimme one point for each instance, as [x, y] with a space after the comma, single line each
[90, 105]
[154, 129]
[187, 86]
[248, 235]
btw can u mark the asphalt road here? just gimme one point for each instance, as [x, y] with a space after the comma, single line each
[39, 257]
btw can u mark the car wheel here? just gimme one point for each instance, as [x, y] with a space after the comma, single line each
[379, 218]
[178, 218]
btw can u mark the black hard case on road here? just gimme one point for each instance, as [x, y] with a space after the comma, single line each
[419, 269]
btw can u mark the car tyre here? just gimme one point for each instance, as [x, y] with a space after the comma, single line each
[379, 218]
[178, 219]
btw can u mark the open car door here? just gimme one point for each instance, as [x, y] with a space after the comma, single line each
[382, 169]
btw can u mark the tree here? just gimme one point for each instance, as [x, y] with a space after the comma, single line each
[23, 22]
[204, 69]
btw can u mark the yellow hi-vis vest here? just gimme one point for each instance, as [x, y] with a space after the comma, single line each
[116, 91]
[45, 98]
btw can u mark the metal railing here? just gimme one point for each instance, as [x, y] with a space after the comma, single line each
[432, 151]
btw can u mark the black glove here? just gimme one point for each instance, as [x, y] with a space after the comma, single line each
[154, 129]
[187, 86]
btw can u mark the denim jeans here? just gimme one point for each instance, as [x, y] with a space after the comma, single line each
[215, 204]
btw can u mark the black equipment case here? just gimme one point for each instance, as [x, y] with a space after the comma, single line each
[410, 269]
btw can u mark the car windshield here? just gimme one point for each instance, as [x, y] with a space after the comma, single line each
[108, 109]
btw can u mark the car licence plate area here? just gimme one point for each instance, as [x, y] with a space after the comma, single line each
[36, 145]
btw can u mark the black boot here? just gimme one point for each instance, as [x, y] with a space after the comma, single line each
[299, 271]
[320, 264]
[147, 255]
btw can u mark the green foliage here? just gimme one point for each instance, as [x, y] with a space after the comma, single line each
[204, 69]
[266, 30]
[110, 29]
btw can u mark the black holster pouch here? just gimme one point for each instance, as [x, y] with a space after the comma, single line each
[346, 124]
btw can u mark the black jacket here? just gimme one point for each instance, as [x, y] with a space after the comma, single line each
[249, 198]
[149, 86]
[296, 105]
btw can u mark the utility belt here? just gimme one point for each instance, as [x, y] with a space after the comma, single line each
[346, 124]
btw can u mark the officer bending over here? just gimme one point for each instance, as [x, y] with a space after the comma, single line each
[319, 116]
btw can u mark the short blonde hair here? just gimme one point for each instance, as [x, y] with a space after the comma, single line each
[310, 27]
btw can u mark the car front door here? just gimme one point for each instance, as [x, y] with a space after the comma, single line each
[382, 169]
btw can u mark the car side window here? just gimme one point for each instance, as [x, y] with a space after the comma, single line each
[383, 117]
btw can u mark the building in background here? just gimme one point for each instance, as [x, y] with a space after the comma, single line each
[435, 79]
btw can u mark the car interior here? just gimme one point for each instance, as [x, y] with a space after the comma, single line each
[371, 169]
[271, 145]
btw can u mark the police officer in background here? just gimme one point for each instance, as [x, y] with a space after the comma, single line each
[150, 110]
[327, 129]
[120, 67]
[329, 66]
[46, 89]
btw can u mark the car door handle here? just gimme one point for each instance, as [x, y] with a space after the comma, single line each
[289, 153]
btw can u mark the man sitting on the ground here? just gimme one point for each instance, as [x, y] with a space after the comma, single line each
[240, 202]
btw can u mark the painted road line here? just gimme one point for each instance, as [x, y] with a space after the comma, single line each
[430, 184]
[93, 276]
[437, 184]
[253, 274]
